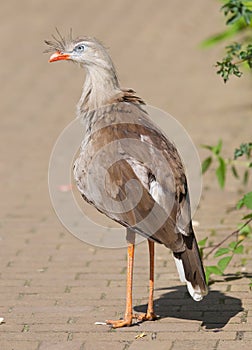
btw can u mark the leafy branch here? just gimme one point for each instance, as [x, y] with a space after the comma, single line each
[235, 247]
[234, 233]
[235, 55]
[245, 150]
[226, 253]
[237, 10]
[238, 16]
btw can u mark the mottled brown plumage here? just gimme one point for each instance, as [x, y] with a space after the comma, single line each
[129, 170]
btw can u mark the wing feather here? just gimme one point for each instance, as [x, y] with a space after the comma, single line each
[129, 171]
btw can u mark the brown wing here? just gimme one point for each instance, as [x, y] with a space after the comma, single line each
[129, 171]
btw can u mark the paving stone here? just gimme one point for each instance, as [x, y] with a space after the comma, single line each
[66, 345]
[232, 345]
[140, 345]
[22, 345]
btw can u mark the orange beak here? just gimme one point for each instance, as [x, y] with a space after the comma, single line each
[57, 56]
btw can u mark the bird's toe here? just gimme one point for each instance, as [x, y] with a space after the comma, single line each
[120, 323]
[149, 316]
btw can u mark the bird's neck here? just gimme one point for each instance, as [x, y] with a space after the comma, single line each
[100, 86]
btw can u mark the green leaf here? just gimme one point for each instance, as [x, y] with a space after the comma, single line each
[233, 19]
[221, 251]
[210, 148]
[234, 172]
[240, 204]
[247, 200]
[202, 243]
[213, 40]
[233, 245]
[239, 249]
[247, 16]
[206, 164]
[207, 274]
[213, 269]
[216, 149]
[223, 263]
[209, 270]
[221, 172]
[244, 230]
[249, 216]
[245, 177]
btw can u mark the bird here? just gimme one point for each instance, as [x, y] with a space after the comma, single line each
[130, 171]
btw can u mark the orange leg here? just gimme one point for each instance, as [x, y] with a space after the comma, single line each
[150, 311]
[150, 315]
[127, 321]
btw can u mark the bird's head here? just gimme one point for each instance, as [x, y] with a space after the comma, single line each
[85, 51]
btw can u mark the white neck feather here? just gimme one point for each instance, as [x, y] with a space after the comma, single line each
[100, 86]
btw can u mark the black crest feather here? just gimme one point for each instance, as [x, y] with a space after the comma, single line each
[59, 42]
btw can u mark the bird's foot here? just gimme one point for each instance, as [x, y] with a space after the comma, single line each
[149, 316]
[126, 322]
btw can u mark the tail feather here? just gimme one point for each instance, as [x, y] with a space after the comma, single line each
[190, 268]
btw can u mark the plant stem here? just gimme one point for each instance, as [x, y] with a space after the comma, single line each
[242, 60]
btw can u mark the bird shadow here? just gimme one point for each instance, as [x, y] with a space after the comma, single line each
[214, 311]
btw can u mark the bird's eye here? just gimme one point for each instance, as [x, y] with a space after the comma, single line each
[79, 48]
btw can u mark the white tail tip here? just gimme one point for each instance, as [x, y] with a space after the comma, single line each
[195, 292]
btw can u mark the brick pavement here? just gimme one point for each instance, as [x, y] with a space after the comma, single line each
[55, 287]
